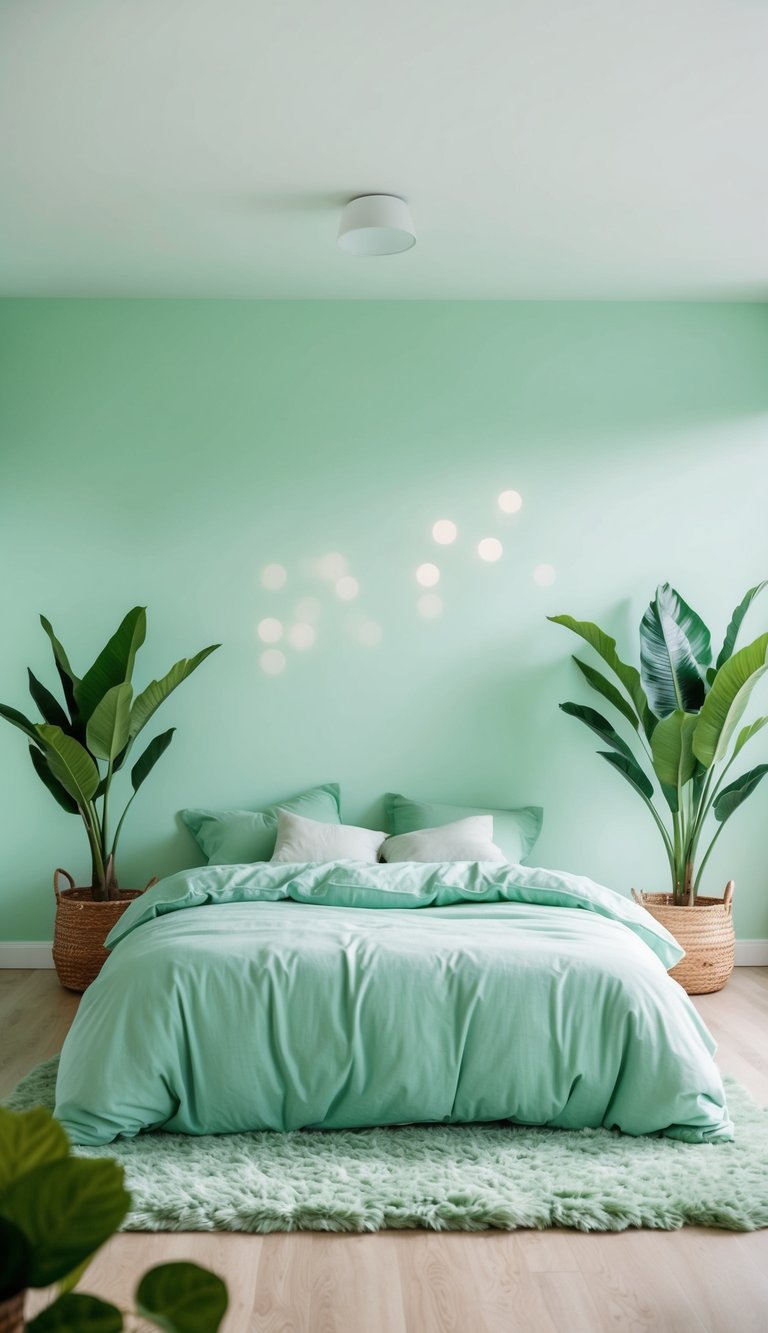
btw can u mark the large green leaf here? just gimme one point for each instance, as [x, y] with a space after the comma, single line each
[729, 642]
[157, 691]
[599, 724]
[70, 764]
[675, 651]
[748, 732]
[28, 1139]
[732, 796]
[15, 1255]
[603, 686]
[114, 663]
[23, 723]
[605, 647]
[146, 761]
[50, 708]
[182, 1298]
[69, 680]
[674, 762]
[76, 1312]
[66, 1209]
[59, 793]
[107, 730]
[629, 770]
[725, 704]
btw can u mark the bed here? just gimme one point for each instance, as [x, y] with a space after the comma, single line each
[338, 995]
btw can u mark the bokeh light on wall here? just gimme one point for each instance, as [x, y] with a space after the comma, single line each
[301, 635]
[270, 630]
[309, 610]
[444, 531]
[272, 661]
[510, 501]
[347, 588]
[332, 566]
[544, 575]
[430, 606]
[274, 577]
[428, 575]
[490, 549]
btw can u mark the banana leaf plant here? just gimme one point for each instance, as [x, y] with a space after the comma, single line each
[77, 749]
[685, 712]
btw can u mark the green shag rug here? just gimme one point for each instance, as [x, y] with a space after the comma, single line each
[445, 1177]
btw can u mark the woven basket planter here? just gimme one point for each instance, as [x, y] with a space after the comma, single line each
[12, 1314]
[81, 927]
[705, 931]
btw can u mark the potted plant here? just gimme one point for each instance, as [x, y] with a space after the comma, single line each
[56, 1210]
[76, 751]
[685, 713]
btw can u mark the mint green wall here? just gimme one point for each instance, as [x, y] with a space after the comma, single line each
[165, 452]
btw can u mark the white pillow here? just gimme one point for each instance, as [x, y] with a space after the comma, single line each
[301, 839]
[467, 839]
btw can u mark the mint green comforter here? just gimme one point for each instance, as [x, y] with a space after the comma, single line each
[288, 996]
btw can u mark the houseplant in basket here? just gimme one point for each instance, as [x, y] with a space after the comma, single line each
[56, 1210]
[77, 750]
[685, 712]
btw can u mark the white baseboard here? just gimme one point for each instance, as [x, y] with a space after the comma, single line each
[26, 953]
[752, 953]
[37, 953]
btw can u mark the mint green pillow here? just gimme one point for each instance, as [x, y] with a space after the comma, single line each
[230, 837]
[514, 831]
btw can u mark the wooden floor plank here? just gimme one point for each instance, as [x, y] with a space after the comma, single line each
[690, 1281]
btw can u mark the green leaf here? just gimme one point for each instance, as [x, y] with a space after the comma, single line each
[107, 730]
[729, 643]
[70, 764]
[146, 762]
[732, 796]
[23, 723]
[603, 686]
[599, 724]
[28, 1139]
[605, 647]
[725, 704]
[114, 663]
[59, 793]
[15, 1256]
[747, 733]
[69, 680]
[72, 1278]
[675, 650]
[76, 1312]
[66, 1209]
[182, 1298]
[674, 762]
[49, 706]
[629, 770]
[157, 691]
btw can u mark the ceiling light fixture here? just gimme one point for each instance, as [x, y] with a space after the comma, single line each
[376, 224]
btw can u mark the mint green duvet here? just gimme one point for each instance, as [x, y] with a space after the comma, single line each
[330, 996]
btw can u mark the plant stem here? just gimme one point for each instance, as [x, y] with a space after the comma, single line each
[706, 857]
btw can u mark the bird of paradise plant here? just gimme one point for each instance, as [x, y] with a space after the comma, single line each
[76, 750]
[685, 712]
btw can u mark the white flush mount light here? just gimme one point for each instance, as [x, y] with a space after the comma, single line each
[376, 224]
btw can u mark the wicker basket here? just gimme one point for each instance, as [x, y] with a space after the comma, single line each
[12, 1314]
[81, 927]
[704, 930]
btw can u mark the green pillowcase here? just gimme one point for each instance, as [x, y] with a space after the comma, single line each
[230, 837]
[514, 831]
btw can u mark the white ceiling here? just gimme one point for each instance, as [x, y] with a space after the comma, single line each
[548, 148]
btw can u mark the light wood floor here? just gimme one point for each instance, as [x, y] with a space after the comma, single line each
[690, 1281]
